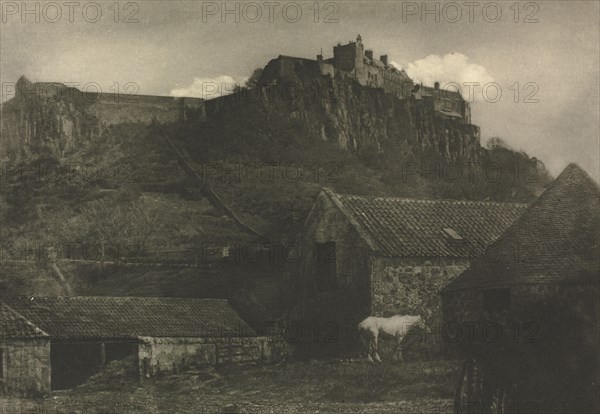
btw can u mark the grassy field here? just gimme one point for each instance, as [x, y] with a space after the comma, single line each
[333, 386]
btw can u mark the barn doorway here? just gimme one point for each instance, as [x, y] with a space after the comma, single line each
[73, 363]
[326, 266]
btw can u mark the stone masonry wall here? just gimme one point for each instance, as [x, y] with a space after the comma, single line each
[465, 307]
[339, 309]
[174, 354]
[54, 119]
[26, 367]
[412, 285]
[112, 109]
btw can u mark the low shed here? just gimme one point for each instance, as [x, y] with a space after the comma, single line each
[78, 335]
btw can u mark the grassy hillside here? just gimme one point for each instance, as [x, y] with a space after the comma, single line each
[124, 197]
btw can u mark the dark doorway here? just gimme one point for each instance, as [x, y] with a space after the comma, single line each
[73, 363]
[120, 350]
[496, 300]
[326, 266]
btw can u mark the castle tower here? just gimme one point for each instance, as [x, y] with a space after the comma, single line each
[359, 65]
[351, 58]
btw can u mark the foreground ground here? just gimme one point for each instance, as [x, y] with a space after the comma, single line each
[296, 387]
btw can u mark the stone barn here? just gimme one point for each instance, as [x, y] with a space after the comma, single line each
[24, 355]
[384, 256]
[59, 342]
[533, 338]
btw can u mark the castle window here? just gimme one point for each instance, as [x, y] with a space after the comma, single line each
[326, 266]
[496, 300]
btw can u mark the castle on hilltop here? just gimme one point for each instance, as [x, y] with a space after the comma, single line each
[359, 64]
[367, 70]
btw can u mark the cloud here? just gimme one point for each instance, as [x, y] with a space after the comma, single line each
[453, 67]
[208, 88]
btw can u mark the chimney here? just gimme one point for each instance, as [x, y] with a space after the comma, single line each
[319, 58]
[369, 54]
[23, 86]
[384, 59]
[436, 86]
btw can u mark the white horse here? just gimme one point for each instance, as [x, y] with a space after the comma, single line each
[396, 326]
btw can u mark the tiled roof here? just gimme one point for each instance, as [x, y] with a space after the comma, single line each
[130, 317]
[14, 326]
[398, 227]
[556, 241]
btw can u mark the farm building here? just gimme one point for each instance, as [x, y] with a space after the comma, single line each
[24, 355]
[59, 342]
[536, 339]
[384, 256]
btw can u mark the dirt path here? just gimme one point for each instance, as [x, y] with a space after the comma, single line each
[294, 388]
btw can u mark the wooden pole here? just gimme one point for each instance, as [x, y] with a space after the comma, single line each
[102, 354]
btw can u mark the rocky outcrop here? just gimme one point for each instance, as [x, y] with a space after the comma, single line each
[50, 119]
[44, 120]
[357, 118]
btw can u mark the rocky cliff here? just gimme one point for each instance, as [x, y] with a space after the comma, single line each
[44, 121]
[357, 118]
[293, 105]
[50, 119]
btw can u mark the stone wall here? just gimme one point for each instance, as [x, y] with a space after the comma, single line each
[543, 349]
[174, 354]
[26, 367]
[467, 305]
[412, 285]
[111, 109]
[53, 119]
[534, 309]
[339, 309]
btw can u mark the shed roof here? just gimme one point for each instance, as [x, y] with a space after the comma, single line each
[556, 241]
[130, 317]
[401, 227]
[14, 326]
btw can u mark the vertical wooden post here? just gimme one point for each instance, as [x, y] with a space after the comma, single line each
[460, 387]
[102, 354]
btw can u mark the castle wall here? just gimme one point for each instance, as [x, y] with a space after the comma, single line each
[327, 69]
[373, 75]
[113, 109]
[345, 57]
[397, 83]
[349, 58]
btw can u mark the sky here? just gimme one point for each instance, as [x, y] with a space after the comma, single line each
[536, 63]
